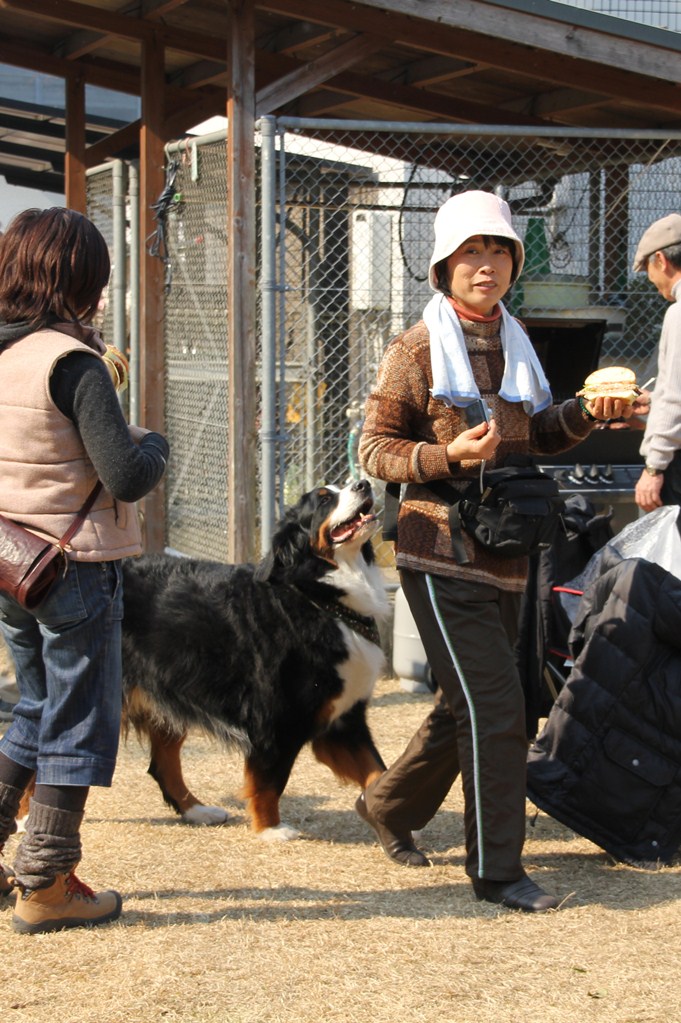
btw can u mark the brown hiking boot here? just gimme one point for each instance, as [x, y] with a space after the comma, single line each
[67, 902]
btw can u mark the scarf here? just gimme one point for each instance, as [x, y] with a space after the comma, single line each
[453, 380]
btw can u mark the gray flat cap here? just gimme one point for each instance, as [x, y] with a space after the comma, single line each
[659, 235]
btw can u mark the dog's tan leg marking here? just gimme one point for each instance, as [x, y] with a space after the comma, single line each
[349, 765]
[262, 805]
[165, 766]
[23, 805]
[166, 769]
[262, 802]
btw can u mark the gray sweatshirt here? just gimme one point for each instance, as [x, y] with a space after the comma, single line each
[662, 437]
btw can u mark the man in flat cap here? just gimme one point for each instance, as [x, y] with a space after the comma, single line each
[659, 254]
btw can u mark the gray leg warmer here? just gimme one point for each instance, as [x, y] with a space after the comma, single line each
[50, 846]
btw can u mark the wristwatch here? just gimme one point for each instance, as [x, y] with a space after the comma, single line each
[652, 471]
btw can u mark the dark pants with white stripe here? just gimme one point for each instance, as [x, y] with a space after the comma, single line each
[476, 728]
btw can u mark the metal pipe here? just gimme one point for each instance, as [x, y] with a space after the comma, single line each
[134, 214]
[527, 131]
[119, 269]
[183, 145]
[268, 339]
[281, 337]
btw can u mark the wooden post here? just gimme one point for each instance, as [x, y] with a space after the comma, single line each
[152, 355]
[241, 282]
[74, 167]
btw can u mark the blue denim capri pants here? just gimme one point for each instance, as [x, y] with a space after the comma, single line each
[67, 654]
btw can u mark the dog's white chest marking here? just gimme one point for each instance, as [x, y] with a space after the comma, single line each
[359, 672]
[365, 594]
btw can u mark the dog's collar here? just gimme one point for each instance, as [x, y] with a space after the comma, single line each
[365, 625]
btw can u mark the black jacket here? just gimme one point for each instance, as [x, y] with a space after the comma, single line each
[608, 762]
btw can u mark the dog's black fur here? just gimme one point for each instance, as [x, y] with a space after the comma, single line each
[257, 655]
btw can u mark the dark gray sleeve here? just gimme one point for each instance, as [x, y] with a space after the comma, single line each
[82, 390]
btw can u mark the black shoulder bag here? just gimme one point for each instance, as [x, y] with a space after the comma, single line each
[512, 511]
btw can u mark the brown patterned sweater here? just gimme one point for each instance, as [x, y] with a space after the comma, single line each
[405, 436]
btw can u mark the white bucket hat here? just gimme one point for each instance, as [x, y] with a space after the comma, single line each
[468, 214]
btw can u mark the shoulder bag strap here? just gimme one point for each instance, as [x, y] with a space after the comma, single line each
[453, 499]
[441, 490]
[81, 516]
[391, 507]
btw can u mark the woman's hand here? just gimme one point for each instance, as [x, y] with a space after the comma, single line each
[476, 444]
[606, 407]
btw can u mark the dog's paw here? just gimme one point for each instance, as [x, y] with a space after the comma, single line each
[201, 814]
[279, 833]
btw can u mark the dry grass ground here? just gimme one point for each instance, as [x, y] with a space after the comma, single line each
[219, 926]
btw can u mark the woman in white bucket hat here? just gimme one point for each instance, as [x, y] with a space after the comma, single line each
[423, 423]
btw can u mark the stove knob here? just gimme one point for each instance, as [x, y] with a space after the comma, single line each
[593, 476]
[577, 474]
[607, 474]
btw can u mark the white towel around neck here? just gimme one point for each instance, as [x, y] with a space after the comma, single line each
[453, 379]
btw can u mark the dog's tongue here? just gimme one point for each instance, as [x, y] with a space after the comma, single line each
[347, 529]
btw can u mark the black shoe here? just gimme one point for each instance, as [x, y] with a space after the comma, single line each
[522, 894]
[401, 850]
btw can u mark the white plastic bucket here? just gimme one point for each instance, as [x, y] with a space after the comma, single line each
[409, 658]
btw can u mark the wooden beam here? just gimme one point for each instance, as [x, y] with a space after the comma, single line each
[431, 70]
[35, 154]
[315, 72]
[107, 74]
[158, 8]
[16, 53]
[202, 72]
[295, 36]
[85, 41]
[557, 101]
[611, 42]
[456, 38]
[241, 282]
[152, 355]
[113, 144]
[39, 180]
[84, 16]
[421, 101]
[180, 121]
[75, 186]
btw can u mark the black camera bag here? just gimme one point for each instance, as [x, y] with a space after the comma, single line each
[512, 511]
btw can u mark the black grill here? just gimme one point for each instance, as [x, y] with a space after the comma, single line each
[605, 466]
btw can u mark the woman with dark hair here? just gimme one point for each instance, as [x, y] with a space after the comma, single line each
[460, 389]
[62, 429]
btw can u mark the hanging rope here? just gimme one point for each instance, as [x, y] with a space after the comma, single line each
[157, 244]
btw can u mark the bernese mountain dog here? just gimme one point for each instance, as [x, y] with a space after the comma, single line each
[266, 657]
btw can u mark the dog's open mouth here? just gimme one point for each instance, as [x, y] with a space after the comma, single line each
[344, 531]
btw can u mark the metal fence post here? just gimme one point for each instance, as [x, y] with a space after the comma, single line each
[268, 363]
[119, 268]
[134, 200]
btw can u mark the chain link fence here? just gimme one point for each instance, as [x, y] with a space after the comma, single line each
[196, 349]
[354, 204]
[108, 206]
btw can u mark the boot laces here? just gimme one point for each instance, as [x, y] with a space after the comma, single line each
[74, 886]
